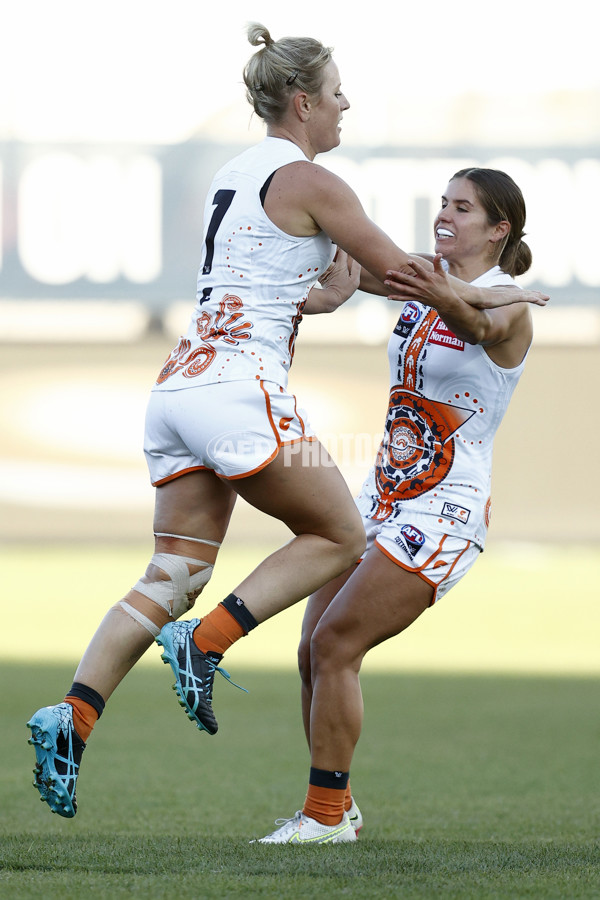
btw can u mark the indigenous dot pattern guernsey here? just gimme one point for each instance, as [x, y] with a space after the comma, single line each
[447, 399]
[253, 281]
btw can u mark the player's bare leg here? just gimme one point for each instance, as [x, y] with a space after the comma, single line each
[378, 602]
[315, 607]
[197, 505]
[306, 492]
[195, 508]
[334, 644]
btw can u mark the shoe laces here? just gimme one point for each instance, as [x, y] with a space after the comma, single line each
[226, 676]
[292, 821]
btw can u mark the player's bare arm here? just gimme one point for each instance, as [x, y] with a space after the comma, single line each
[477, 297]
[304, 198]
[372, 285]
[337, 210]
[495, 297]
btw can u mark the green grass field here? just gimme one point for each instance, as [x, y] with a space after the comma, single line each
[471, 786]
[477, 771]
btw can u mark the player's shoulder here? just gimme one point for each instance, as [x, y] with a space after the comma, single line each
[313, 182]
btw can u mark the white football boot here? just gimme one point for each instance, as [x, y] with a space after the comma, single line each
[302, 830]
[355, 816]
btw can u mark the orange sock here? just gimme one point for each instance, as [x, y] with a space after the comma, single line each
[217, 631]
[348, 798]
[326, 805]
[84, 717]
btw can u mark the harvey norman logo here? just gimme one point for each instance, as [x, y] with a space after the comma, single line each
[441, 334]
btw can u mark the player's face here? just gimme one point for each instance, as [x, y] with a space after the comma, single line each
[461, 229]
[327, 111]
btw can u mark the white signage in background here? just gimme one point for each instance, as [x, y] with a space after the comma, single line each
[97, 218]
[561, 199]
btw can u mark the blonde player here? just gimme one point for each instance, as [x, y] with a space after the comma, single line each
[221, 422]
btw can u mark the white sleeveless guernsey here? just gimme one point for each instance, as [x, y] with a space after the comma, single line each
[447, 399]
[253, 281]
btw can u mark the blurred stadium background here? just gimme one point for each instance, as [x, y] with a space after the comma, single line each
[111, 126]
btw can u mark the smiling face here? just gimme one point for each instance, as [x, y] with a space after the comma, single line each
[326, 111]
[463, 234]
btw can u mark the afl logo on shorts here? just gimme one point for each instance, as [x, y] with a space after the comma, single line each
[412, 535]
[411, 539]
[411, 313]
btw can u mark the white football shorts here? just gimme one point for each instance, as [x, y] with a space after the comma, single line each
[234, 428]
[439, 559]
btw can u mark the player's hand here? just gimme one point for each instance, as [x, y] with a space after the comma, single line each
[342, 277]
[426, 283]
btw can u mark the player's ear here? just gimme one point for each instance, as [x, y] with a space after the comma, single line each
[302, 105]
[501, 230]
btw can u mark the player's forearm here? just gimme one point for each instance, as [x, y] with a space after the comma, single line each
[372, 285]
[486, 298]
[465, 321]
[469, 293]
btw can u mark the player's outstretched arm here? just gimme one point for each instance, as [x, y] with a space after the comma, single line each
[495, 297]
[427, 279]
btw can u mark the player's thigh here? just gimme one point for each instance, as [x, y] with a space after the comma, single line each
[378, 601]
[198, 504]
[307, 492]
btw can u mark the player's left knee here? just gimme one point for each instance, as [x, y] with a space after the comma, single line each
[178, 593]
[171, 597]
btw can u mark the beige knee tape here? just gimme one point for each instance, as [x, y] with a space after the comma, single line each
[179, 592]
[176, 595]
[141, 618]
